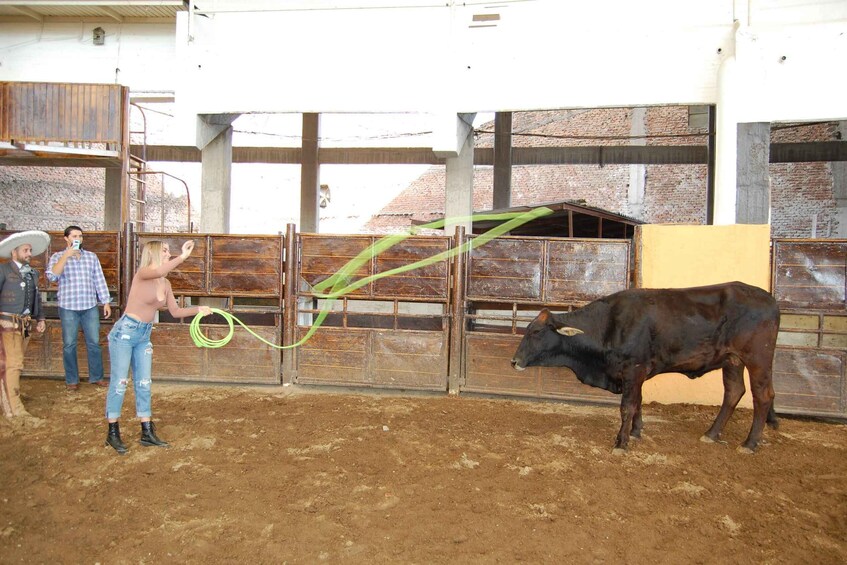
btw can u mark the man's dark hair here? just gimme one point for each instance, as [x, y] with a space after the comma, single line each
[69, 229]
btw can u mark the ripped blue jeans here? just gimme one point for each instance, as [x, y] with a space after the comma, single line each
[130, 347]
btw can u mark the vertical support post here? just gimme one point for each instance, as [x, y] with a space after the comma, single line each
[310, 174]
[456, 362]
[125, 141]
[128, 269]
[458, 205]
[216, 183]
[115, 176]
[752, 201]
[710, 168]
[502, 160]
[289, 306]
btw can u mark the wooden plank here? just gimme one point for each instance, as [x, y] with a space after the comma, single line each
[507, 269]
[410, 359]
[810, 274]
[810, 380]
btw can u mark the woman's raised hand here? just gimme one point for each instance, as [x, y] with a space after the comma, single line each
[187, 248]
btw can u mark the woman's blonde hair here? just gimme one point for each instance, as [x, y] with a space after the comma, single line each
[151, 254]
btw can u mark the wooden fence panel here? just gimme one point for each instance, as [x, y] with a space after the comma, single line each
[61, 112]
[509, 280]
[246, 265]
[391, 333]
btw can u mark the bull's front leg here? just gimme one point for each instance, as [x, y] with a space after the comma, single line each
[631, 422]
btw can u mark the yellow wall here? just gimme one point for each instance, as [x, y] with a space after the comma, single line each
[674, 256]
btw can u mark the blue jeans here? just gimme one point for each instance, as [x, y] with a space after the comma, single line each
[90, 322]
[130, 347]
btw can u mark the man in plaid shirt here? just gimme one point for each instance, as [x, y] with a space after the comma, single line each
[81, 287]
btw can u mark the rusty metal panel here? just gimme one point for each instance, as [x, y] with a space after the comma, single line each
[810, 381]
[547, 271]
[430, 282]
[246, 265]
[333, 356]
[323, 256]
[43, 356]
[810, 274]
[488, 369]
[374, 358]
[190, 276]
[244, 360]
[584, 270]
[506, 269]
[409, 359]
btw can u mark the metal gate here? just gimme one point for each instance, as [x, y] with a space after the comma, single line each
[508, 281]
[393, 332]
[238, 273]
[810, 285]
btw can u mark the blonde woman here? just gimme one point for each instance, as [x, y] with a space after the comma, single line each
[129, 340]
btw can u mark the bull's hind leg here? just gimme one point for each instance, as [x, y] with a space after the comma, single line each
[733, 390]
[761, 386]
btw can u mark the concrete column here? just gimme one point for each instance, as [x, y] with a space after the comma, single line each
[114, 191]
[753, 200]
[310, 174]
[502, 160]
[458, 206]
[726, 140]
[216, 183]
[839, 188]
[637, 173]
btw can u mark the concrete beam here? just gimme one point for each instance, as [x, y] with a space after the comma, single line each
[210, 126]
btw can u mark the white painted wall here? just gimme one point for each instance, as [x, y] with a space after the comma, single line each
[141, 56]
[296, 56]
[425, 56]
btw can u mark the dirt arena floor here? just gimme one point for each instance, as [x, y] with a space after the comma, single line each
[280, 475]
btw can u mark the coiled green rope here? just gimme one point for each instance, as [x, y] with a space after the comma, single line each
[341, 281]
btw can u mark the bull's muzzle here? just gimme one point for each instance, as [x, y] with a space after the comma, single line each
[516, 365]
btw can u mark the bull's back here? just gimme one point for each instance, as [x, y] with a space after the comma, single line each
[693, 330]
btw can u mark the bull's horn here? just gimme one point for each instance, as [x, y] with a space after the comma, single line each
[569, 331]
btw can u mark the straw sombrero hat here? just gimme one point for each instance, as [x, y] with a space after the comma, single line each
[38, 239]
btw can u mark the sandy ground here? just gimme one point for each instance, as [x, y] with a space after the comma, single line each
[280, 475]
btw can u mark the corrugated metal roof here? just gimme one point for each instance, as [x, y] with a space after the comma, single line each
[58, 11]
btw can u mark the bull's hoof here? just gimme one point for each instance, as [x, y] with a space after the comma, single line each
[619, 451]
[706, 439]
[744, 450]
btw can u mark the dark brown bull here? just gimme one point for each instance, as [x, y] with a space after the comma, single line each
[620, 341]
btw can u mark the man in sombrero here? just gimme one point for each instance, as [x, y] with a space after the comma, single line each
[20, 310]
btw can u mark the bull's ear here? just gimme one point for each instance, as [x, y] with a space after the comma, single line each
[544, 316]
[564, 330]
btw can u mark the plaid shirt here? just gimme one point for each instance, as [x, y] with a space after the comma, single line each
[81, 284]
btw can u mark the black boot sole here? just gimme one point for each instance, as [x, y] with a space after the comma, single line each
[151, 444]
[121, 451]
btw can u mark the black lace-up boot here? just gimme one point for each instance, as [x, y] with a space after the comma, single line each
[148, 436]
[114, 438]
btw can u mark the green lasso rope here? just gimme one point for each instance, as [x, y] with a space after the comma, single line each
[341, 281]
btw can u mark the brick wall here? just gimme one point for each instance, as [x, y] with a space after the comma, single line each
[802, 203]
[51, 198]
